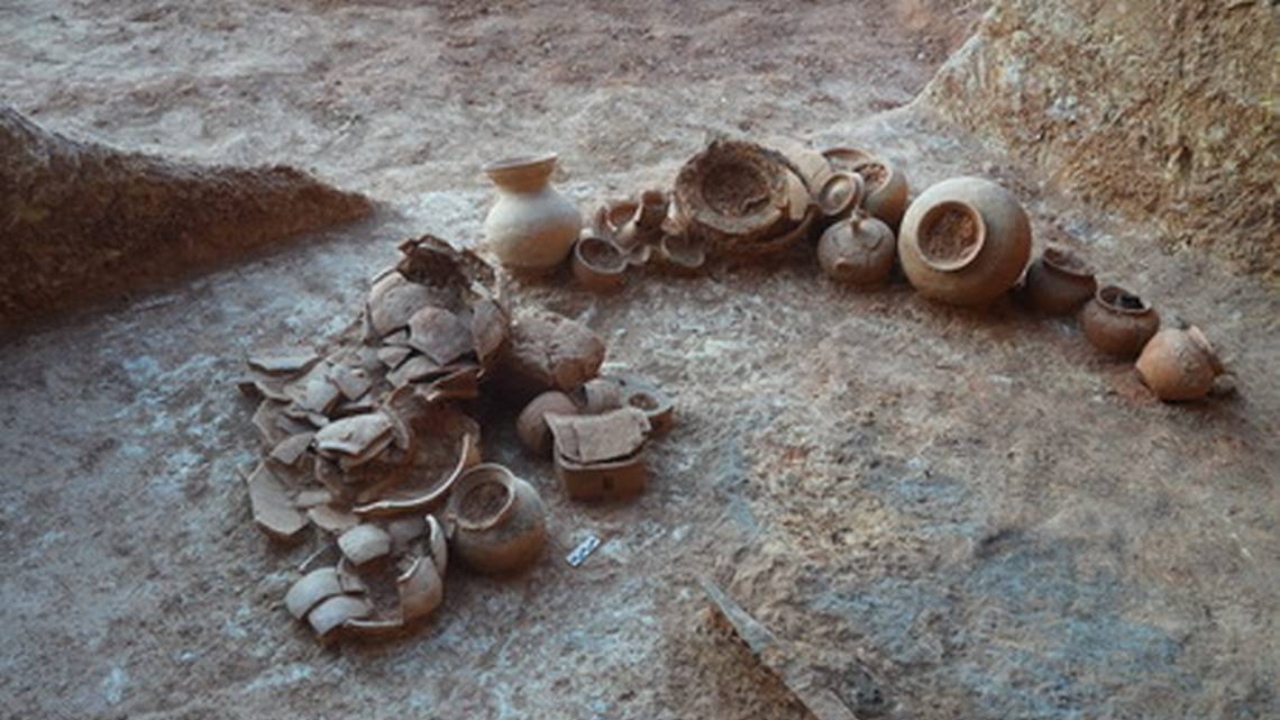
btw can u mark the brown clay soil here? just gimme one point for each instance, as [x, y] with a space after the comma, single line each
[948, 513]
[950, 236]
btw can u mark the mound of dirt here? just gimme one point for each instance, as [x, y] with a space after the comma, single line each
[1165, 114]
[82, 222]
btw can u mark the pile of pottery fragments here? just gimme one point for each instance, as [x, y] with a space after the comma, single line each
[371, 446]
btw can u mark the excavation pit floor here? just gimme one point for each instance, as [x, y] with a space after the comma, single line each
[951, 513]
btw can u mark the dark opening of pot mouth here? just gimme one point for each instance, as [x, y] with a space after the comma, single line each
[1065, 259]
[735, 188]
[874, 174]
[950, 236]
[483, 500]
[601, 255]
[643, 401]
[1121, 299]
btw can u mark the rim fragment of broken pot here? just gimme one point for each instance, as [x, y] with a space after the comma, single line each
[444, 442]
[598, 265]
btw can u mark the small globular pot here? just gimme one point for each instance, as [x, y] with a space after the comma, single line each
[531, 425]
[1117, 322]
[532, 227]
[1179, 364]
[499, 520]
[1058, 282]
[886, 190]
[598, 265]
[964, 241]
[859, 250]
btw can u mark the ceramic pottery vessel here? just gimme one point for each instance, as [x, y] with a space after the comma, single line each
[859, 250]
[735, 197]
[964, 241]
[885, 196]
[532, 227]
[1117, 322]
[1179, 364]
[499, 520]
[840, 194]
[599, 265]
[1059, 282]
[531, 425]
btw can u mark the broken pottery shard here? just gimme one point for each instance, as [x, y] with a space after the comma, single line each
[290, 362]
[392, 355]
[489, 327]
[587, 439]
[290, 450]
[433, 484]
[317, 586]
[421, 590]
[460, 384]
[312, 497]
[351, 382]
[437, 544]
[550, 351]
[314, 392]
[416, 368]
[331, 519]
[354, 435]
[364, 543]
[440, 334]
[405, 530]
[273, 510]
[393, 300]
[331, 615]
[264, 420]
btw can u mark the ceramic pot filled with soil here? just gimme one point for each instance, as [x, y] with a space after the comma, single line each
[1058, 282]
[735, 196]
[598, 265]
[1118, 322]
[532, 227]
[499, 520]
[885, 195]
[964, 241]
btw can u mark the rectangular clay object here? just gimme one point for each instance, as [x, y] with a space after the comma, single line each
[599, 481]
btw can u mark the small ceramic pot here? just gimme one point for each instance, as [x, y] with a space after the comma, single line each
[886, 190]
[1179, 364]
[964, 241]
[598, 265]
[644, 226]
[1058, 282]
[532, 227]
[859, 250]
[840, 194]
[499, 521]
[531, 425]
[1117, 322]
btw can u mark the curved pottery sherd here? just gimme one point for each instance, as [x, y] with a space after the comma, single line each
[598, 265]
[598, 395]
[532, 227]
[1117, 322]
[1058, 282]
[964, 241]
[499, 520]
[1179, 364]
[859, 251]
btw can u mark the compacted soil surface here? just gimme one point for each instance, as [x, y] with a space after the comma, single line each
[946, 513]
